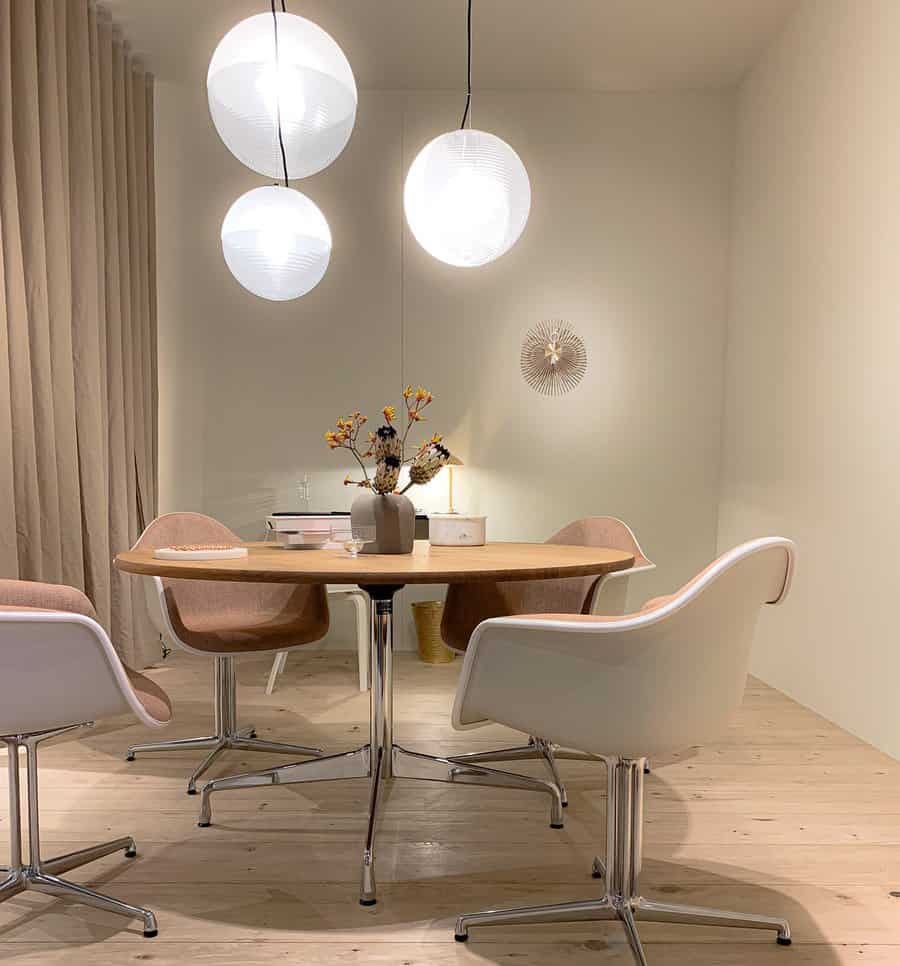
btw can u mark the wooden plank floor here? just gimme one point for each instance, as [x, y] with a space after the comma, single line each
[785, 815]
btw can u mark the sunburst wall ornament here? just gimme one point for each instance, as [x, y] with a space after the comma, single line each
[554, 359]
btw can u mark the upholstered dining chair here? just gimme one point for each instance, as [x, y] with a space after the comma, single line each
[222, 620]
[58, 673]
[469, 604]
[661, 680]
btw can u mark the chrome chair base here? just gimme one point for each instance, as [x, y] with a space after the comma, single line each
[537, 749]
[622, 901]
[43, 875]
[228, 736]
[380, 760]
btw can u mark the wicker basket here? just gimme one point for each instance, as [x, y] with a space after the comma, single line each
[427, 616]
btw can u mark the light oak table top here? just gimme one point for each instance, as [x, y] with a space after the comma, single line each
[267, 562]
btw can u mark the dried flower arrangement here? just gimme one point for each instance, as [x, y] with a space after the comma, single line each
[388, 448]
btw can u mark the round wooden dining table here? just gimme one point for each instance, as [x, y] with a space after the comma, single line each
[381, 576]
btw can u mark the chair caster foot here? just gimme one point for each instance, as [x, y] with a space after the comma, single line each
[565, 804]
[151, 933]
[554, 825]
[131, 854]
[367, 902]
[646, 769]
[596, 875]
[461, 937]
[783, 941]
[129, 757]
[192, 791]
[203, 824]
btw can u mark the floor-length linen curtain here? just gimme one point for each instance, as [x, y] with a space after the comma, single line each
[77, 307]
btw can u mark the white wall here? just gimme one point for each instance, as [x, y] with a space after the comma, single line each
[810, 432]
[628, 240]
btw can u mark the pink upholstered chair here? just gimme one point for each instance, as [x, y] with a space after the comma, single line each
[666, 678]
[467, 605]
[221, 620]
[59, 672]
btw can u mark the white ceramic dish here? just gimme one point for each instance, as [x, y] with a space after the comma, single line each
[305, 539]
[285, 527]
[170, 553]
[307, 521]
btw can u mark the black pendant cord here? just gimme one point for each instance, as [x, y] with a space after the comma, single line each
[278, 95]
[465, 116]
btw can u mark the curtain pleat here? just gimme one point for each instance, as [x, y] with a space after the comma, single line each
[88, 329]
[16, 90]
[77, 306]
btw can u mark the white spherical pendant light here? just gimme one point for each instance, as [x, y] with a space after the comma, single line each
[467, 197]
[276, 242]
[309, 82]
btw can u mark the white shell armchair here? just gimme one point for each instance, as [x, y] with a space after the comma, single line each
[625, 688]
[469, 604]
[59, 672]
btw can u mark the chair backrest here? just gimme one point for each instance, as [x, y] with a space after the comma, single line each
[606, 594]
[660, 680]
[57, 667]
[174, 529]
[176, 605]
[469, 604]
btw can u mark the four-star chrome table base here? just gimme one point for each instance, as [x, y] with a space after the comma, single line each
[381, 759]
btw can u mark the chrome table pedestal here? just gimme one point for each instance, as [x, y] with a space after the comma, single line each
[622, 900]
[380, 760]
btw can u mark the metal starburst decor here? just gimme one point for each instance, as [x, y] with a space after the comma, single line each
[553, 359]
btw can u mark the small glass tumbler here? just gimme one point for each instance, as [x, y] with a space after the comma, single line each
[353, 539]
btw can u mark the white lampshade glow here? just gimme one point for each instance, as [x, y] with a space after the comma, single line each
[312, 83]
[467, 197]
[276, 242]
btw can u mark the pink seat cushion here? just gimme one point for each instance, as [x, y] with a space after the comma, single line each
[246, 621]
[32, 593]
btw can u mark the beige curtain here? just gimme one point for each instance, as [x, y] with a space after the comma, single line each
[77, 307]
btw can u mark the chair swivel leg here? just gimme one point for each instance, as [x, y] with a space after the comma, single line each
[623, 900]
[228, 735]
[42, 875]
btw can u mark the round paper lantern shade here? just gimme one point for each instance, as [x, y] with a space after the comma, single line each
[467, 197]
[313, 85]
[276, 243]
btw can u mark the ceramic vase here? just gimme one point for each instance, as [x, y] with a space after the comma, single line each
[394, 519]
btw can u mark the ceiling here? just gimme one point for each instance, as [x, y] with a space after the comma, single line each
[518, 44]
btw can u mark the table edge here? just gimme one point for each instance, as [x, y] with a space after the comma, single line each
[180, 571]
